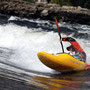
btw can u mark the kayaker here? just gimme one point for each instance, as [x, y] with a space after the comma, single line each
[75, 49]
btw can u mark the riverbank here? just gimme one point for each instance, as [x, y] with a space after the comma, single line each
[45, 11]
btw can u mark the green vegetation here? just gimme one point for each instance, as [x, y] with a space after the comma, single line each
[87, 4]
[29, 0]
[82, 3]
[61, 2]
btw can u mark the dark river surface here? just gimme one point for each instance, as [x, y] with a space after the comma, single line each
[20, 41]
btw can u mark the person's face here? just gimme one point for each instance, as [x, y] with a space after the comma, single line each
[71, 49]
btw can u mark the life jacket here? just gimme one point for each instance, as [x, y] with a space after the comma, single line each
[74, 43]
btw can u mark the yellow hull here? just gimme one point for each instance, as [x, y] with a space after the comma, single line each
[61, 62]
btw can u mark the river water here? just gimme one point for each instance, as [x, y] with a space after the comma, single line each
[20, 41]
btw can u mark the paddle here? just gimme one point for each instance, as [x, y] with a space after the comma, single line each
[59, 34]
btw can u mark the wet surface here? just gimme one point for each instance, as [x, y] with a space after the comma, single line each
[10, 80]
[19, 45]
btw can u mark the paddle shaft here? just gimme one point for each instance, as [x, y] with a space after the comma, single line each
[59, 35]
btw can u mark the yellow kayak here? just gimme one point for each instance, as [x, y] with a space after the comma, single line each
[61, 62]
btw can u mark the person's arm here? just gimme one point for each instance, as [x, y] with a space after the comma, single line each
[69, 39]
[62, 39]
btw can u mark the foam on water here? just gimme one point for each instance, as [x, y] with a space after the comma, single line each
[27, 42]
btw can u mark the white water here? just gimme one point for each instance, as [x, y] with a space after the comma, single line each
[27, 42]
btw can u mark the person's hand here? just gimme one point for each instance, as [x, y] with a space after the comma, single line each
[81, 55]
[60, 40]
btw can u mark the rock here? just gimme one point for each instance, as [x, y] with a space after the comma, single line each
[79, 8]
[45, 11]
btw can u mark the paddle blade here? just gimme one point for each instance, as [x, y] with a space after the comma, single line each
[57, 26]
